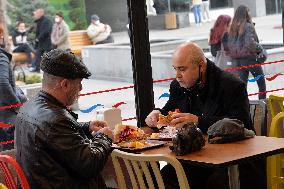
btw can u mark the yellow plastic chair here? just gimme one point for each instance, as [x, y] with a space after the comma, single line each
[2, 186]
[138, 169]
[275, 103]
[275, 164]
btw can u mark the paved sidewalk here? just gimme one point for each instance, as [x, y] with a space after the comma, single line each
[264, 28]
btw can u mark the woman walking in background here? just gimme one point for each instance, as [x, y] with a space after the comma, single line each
[219, 33]
[196, 7]
[244, 48]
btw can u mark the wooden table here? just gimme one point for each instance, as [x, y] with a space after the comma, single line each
[229, 155]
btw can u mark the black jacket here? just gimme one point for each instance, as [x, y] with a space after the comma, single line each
[55, 151]
[222, 96]
[17, 33]
[214, 48]
[8, 96]
[43, 34]
[245, 45]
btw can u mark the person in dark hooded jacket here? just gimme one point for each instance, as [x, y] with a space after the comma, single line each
[9, 95]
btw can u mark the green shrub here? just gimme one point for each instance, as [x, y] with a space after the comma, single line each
[34, 78]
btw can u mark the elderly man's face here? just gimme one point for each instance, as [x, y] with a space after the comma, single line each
[74, 91]
[38, 13]
[187, 71]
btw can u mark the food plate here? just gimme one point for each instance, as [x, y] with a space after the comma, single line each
[161, 138]
[150, 144]
[165, 134]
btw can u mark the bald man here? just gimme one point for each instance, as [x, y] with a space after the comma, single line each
[204, 94]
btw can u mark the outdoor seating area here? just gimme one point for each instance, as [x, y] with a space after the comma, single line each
[143, 168]
[77, 38]
[154, 94]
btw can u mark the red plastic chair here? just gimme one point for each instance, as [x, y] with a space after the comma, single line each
[5, 162]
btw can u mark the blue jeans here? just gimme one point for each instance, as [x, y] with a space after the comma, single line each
[255, 71]
[197, 13]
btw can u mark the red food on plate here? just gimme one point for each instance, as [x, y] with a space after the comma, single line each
[124, 133]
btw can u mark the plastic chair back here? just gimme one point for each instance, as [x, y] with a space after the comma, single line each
[258, 115]
[5, 163]
[275, 103]
[275, 164]
[138, 167]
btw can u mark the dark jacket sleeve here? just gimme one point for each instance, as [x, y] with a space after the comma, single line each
[225, 41]
[214, 48]
[14, 35]
[250, 39]
[85, 127]
[6, 84]
[235, 106]
[45, 30]
[83, 157]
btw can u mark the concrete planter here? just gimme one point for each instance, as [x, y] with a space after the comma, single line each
[113, 61]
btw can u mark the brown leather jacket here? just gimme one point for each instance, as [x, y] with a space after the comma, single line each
[54, 150]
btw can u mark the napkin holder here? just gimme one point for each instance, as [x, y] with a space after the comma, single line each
[111, 115]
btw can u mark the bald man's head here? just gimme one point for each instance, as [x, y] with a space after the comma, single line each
[190, 52]
[189, 63]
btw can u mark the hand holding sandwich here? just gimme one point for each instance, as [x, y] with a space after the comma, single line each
[152, 119]
[174, 119]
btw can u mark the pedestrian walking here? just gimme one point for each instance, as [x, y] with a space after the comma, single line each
[244, 48]
[205, 10]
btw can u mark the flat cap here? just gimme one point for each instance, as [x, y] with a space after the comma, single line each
[228, 130]
[64, 64]
[95, 17]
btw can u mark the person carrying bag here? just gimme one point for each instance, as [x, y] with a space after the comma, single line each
[245, 50]
[223, 59]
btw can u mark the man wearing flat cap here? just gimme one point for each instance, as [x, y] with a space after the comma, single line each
[54, 150]
[98, 32]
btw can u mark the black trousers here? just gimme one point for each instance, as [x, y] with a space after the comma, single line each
[36, 62]
[255, 71]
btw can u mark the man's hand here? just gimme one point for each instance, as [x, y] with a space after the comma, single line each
[179, 119]
[107, 131]
[97, 125]
[152, 118]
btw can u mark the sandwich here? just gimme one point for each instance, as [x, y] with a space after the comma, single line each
[127, 133]
[166, 120]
